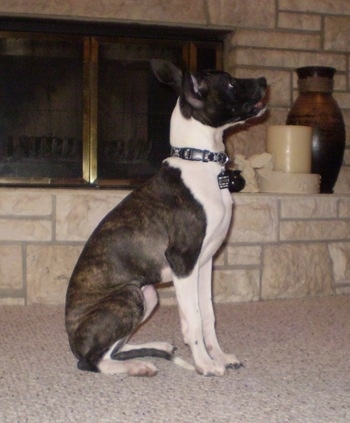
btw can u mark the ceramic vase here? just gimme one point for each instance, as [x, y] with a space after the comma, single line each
[316, 107]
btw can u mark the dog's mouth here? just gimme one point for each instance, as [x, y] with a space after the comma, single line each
[260, 107]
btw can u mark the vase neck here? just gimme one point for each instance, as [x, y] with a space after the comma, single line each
[315, 84]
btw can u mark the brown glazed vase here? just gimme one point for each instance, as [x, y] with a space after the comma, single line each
[316, 107]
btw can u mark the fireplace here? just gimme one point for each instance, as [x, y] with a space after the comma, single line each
[79, 105]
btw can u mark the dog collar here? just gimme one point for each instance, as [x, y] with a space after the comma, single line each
[197, 155]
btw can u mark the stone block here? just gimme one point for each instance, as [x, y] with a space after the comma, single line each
[236, 285]
[342, 98]
[346, 116]
[49, 268]
[255, 219]
[25, 229]
[11, 267]
[166, 294]
[336, 7]
[347, 157]
[275, 39]
[21, 202]
[284, 59]
[340, 256]
[299, 21]
[314, 230]
[342, 185]
[243, 256]
[180, 11]
[344, 207]
[247, 140]
[78, 214]
[12, 301]
[342, 290]
[248, 13]
[308, 207]
[340, 82]
[296, 270]
[219, 258]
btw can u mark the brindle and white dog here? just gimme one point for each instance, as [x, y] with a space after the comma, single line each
[166, 230]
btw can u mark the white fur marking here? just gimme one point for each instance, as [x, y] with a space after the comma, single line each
[132, 367]
[150, 300]
[163, 346]
[166, 274]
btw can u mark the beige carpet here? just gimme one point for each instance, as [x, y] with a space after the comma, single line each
[296, 355]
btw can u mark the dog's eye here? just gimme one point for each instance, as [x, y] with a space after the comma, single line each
[231, 86]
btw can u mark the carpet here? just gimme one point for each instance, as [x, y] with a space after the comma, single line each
[296, 356]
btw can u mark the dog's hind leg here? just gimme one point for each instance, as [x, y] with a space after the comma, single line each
[105, 326]
[163, 350]
[150, 302]
[208, 319]
[112, 364]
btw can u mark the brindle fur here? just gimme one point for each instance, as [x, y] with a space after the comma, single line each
[104, 302]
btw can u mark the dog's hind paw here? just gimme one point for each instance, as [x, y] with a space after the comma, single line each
[210, 368]
[142, 368]
[132, 367]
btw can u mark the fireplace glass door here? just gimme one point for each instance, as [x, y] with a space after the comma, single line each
[41, 109]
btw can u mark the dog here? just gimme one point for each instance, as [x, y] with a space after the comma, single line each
[166, 230]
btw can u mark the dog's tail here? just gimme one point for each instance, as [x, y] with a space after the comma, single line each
[152, 352]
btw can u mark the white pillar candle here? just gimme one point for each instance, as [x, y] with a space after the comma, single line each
[290, 146]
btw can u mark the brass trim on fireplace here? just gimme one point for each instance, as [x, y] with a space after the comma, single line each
[86, 109]
[90, 74]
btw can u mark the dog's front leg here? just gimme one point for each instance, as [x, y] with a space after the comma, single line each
[191, 323]
[208, 318]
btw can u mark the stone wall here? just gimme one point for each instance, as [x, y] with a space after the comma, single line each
[269, 37]
[298, 33]
[279, 246]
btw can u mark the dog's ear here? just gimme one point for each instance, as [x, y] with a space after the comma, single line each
[194, 90]
[168, 74]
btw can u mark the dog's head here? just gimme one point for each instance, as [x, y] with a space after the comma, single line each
[212, 97]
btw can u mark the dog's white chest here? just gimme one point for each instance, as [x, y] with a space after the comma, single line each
[201, 179]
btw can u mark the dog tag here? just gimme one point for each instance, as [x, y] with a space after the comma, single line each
[223, 180]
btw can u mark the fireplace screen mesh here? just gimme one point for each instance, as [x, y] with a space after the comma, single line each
[133, 110]
[40, 108]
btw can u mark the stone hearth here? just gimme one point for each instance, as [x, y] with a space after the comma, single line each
[280, 246]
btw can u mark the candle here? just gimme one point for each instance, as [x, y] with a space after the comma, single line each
[290, 146]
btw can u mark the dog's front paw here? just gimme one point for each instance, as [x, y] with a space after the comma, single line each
[232, 362]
